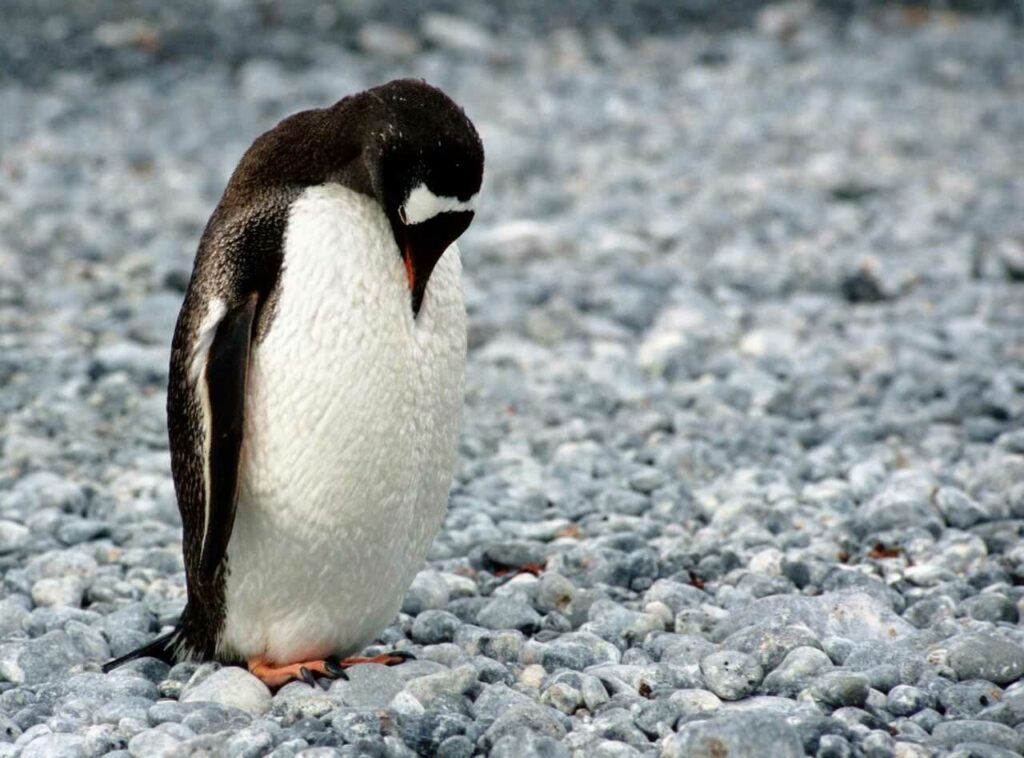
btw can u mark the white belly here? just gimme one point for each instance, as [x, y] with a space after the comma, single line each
[352, 415]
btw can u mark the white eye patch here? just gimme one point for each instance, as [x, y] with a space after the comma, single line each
[422, 205]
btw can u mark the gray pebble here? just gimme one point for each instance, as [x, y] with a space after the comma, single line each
[739, 735]
[230, 686]
[991, 658]
[528, 744]
[796, 670]
[509, 613]
[904, 700]
[55, 746]
[950, 733]
[731, 674]
[428, 591]
[840, 688]
[434, 626]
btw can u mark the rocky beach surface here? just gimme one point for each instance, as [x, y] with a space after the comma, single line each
[742, 467]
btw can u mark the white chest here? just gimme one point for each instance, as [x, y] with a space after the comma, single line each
[352, 416]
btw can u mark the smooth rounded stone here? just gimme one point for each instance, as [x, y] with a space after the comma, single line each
[428, 591]
[882, 677]
[230, 686]
[617, 724]
[562, 697]
[528, 744]
[1009, 710]
[253, 741]
[680, 649]
[155, 742]
[833, 746]
[950, 733]
[509, 613]
[453, 682]
[980, 750]
[967, 699]
[904, 700]
[988, 657]
[958, 508]
[990, 607]
[731, 674]
[770, 645]
[621, 626]
[9, 731]
[840, 688]
[878, 744]
[554, 592]
[796, 671]
[692, 702]
[213, 717]
[14, 611]
[737, 735]
[368, 685]
[675, 595]
[38, 660]
[656, 718]
[55, 746]
[433, 626]
[903, 501]
[496, 699]
[838, 649]
[12, 535]
[456, 746]
[927, 718]
[534, 717]
[576, 651]
[513, 554]
[929, 611]
[505, 646]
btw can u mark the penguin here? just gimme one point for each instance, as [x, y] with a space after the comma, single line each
[316, 383]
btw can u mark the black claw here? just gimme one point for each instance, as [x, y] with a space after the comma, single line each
[403, 654]
[334, 669]
[307, 676]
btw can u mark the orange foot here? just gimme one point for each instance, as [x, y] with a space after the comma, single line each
[307, 671]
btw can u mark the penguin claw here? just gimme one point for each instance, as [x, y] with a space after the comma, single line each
[335, 669]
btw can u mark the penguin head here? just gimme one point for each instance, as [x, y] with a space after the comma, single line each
[425, 162]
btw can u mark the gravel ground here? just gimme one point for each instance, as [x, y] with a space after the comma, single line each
[746, 388]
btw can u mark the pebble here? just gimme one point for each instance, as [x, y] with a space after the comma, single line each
[730, 674]
[509, 613]
[840, 688]
[990, 658]
[738, 735]
[796, 670]
[428, 591]
[951, 733]
[904, 700]
[230, 686]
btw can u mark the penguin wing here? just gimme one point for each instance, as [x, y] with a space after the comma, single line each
[225, 376]
[236, 271]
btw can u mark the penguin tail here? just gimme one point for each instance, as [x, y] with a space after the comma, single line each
[165, 648]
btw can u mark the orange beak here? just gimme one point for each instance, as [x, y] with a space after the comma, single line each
[410, 272]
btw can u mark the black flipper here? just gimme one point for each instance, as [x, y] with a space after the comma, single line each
[162, 648]
[227, 369]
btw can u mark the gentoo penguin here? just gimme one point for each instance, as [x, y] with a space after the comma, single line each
[316, 382]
